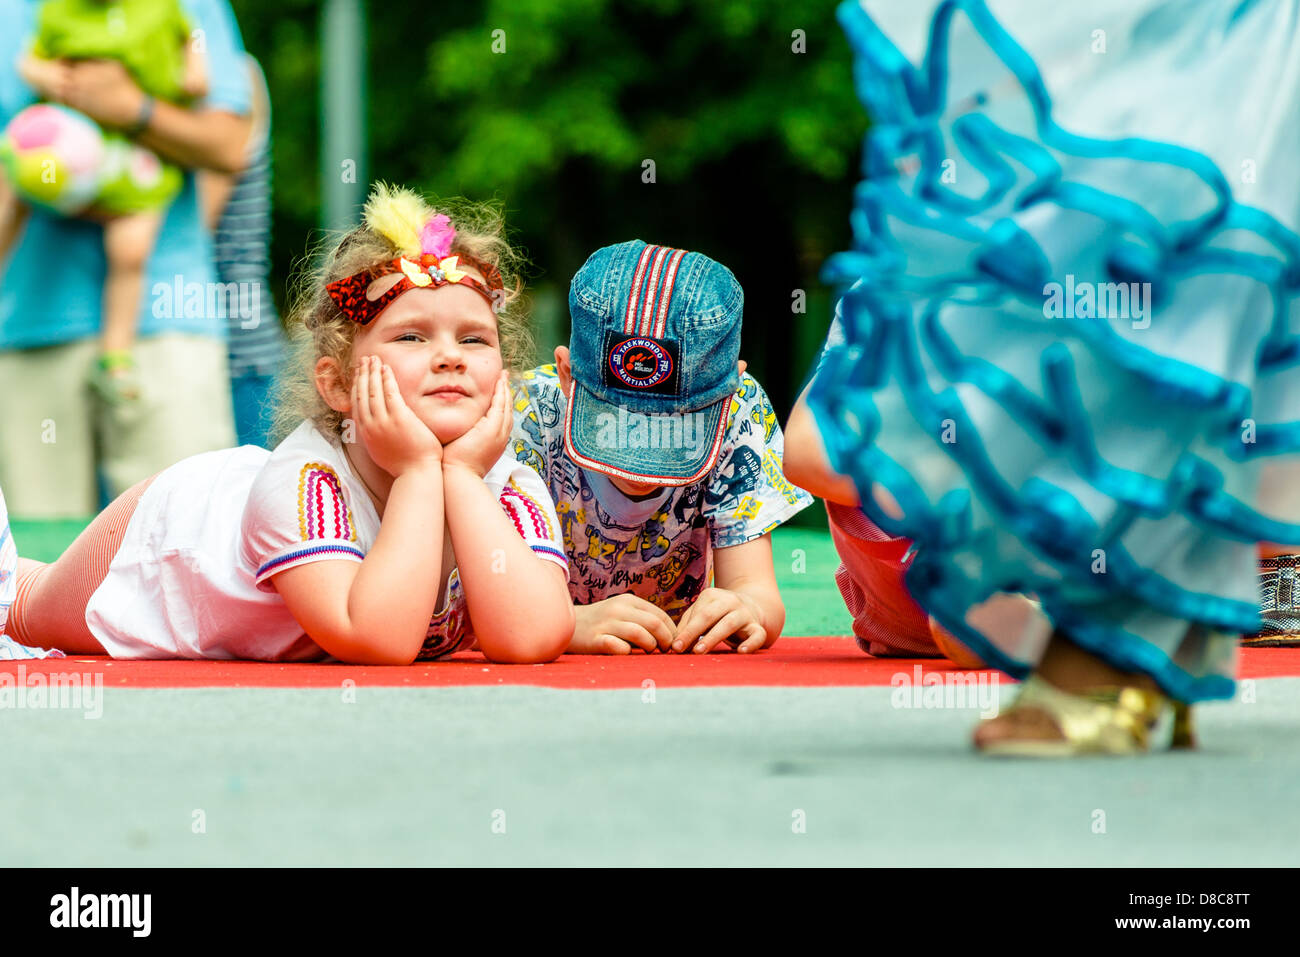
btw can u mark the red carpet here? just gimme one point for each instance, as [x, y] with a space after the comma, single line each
[793, 662]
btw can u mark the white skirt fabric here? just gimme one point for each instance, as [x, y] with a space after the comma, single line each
[1072, 327]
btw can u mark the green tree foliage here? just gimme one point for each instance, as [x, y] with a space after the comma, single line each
[745, 107]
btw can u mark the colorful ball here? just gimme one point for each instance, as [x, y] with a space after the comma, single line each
[53, 155]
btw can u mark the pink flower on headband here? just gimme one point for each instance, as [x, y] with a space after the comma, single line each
[437, 236]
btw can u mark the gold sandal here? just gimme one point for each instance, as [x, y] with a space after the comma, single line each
[1120, 720]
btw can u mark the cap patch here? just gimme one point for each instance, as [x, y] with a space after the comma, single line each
[641, 363]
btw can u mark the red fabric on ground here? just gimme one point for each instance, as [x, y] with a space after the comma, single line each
[793, 662]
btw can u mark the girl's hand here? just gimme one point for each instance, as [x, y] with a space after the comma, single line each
[480, 447]
[395, 438]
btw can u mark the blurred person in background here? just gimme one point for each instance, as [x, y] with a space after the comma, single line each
[237, 208]
[56, 431]
[57, 158]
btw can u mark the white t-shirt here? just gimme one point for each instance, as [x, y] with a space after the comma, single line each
[191, 578]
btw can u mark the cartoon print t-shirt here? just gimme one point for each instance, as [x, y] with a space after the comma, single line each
[658, 547]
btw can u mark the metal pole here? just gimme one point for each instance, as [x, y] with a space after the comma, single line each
[343, 116]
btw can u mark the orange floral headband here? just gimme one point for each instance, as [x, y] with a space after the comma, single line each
[430, 270]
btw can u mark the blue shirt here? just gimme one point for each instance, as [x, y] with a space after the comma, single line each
[53, 285]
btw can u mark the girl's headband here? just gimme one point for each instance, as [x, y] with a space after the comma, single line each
[429, 270]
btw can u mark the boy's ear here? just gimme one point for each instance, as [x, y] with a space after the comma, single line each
[563, 368]
[741, 366]
[331, 384]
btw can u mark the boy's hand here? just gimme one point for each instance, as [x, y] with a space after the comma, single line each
[480, 447]
[615, 625]
[721, 614]
[394, 437]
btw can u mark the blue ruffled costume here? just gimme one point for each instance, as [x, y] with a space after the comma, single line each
[1072, 366]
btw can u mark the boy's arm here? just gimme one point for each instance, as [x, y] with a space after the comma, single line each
[198, 138]
[806, 463]
[377, 612]
[745, 602]
[747, 497]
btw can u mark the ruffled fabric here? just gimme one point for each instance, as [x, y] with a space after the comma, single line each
[1073, 324]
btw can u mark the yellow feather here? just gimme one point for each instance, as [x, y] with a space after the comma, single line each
[398, 214]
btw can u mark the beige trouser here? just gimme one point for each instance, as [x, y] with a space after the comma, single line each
[54, 430]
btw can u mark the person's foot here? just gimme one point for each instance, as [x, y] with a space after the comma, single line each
[1075, 703]
[1279, 586]
[1017, 724]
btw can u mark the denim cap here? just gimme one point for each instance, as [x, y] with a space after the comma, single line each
[656, 337]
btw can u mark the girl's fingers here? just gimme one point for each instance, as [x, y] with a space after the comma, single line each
[498, 400]
[392, 394]
[503, 432]
[362, 387]
[377, 404]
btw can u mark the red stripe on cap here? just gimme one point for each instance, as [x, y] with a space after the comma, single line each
[646, 322]
[666, 291]
[634, 297]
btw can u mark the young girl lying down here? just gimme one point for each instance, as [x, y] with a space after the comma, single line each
[389, 525]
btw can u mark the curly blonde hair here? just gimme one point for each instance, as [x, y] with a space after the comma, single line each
[391, 224]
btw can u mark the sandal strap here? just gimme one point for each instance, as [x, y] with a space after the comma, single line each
[1116, 720]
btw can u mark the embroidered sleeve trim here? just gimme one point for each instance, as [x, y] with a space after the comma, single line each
[322, 510]
[304, 556]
